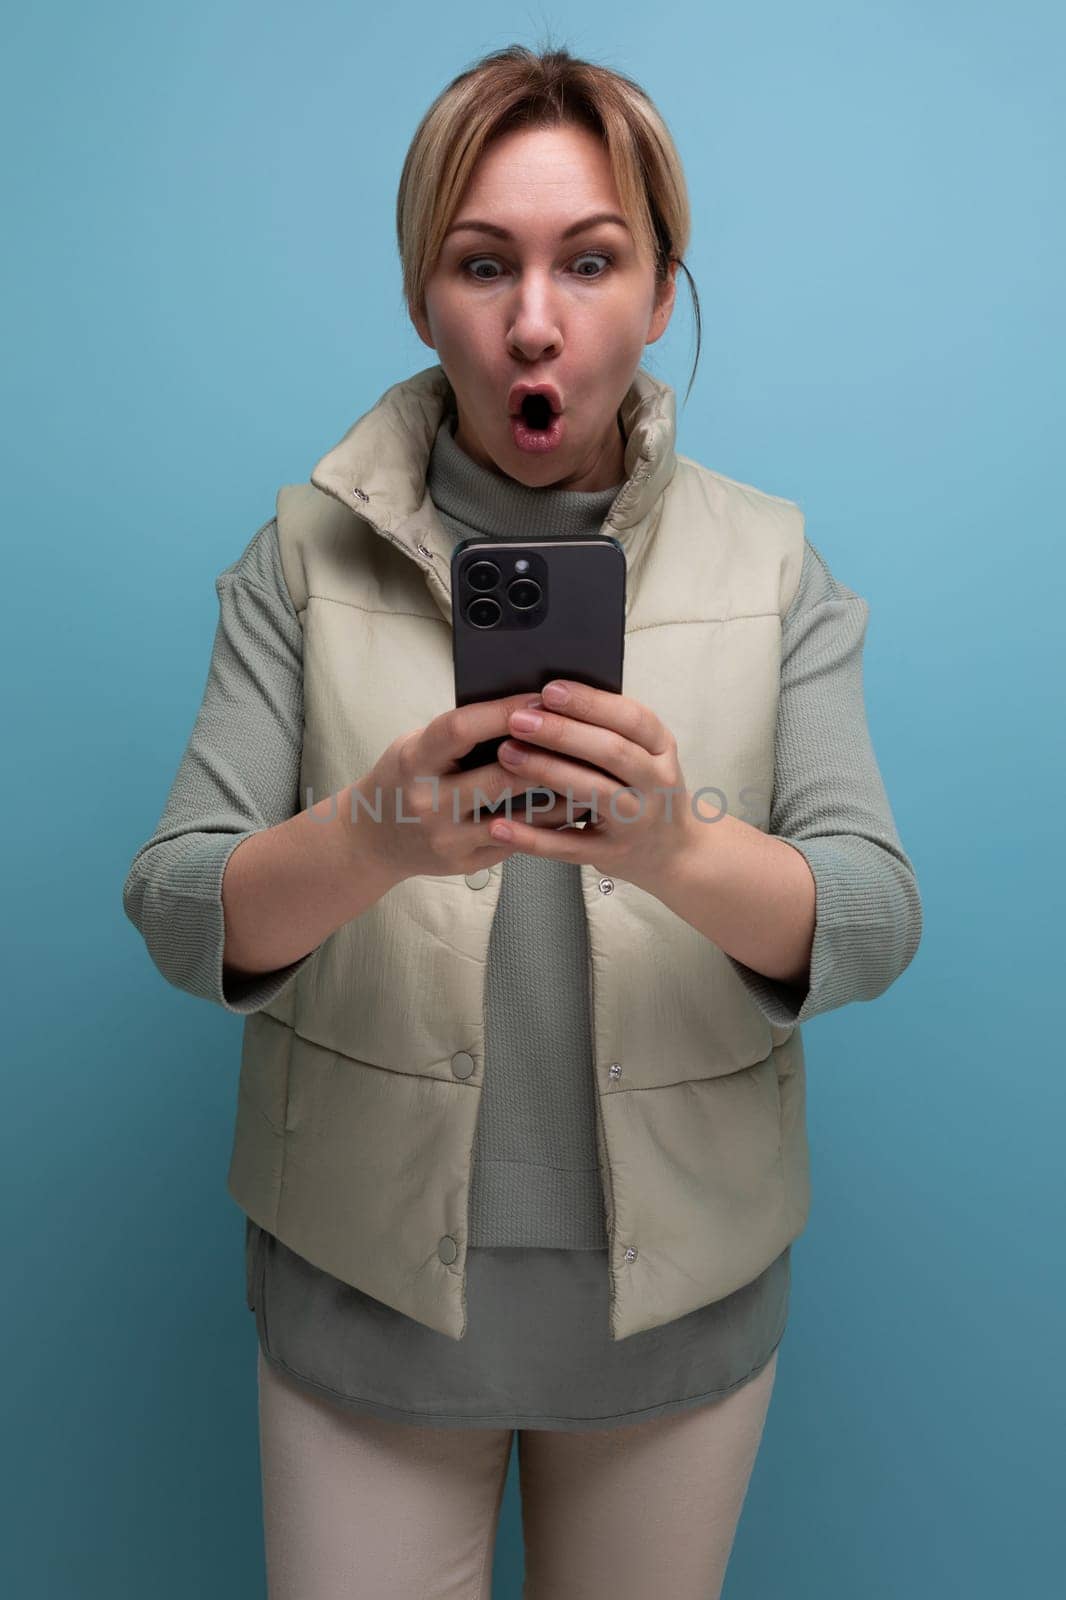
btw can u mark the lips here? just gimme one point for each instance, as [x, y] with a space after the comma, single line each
[521, 390]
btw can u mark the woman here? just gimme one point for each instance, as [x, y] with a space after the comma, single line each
[520, 1127]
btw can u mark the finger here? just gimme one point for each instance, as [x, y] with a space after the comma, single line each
[453, 733]
[582, 785]
[559, 844]
[619, 713]
[583, 741]
[488, 788]
[476, 837]
[535, 802]
[537, 812]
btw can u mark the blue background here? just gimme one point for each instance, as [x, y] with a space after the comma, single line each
[202, 292]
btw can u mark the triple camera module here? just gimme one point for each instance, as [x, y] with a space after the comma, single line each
[521, 594]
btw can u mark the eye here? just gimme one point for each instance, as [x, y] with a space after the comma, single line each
[473, 262]
[586, 255]
[592, 254]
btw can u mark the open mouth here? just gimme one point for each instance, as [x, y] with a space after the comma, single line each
[537, 413]
[537, 425]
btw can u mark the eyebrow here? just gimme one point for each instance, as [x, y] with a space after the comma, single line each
[575, 227]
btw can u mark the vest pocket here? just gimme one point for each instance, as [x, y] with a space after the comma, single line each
[254, 1252]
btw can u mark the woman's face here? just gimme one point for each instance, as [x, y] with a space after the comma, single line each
[535, 303]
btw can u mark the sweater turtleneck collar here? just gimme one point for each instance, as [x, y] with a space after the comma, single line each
[473, 500]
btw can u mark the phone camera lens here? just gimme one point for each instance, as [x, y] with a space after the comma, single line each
[484, 613]
[524, 594]
[483, 575]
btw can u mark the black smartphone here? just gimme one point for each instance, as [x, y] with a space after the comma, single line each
[524, 611]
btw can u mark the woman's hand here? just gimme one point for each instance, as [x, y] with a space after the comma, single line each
[427, 823]
[642, 813]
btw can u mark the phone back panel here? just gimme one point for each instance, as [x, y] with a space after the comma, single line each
[574, 629]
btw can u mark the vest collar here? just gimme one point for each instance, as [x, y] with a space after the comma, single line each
[378, 469]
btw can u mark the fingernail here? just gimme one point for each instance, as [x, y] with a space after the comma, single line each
[555, 694]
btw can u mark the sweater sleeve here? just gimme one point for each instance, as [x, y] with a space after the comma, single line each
[239, 775]
[830, 804]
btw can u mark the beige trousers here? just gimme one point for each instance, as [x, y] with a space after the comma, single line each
[360, 1508]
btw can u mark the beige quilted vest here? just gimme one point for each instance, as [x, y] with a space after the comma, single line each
[360, 1083]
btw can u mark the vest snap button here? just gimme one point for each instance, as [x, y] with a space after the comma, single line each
[478, 880]
[606, 885]
[447, 1249]
[423, 550]
[631, 1254]
[462, 1063]
[615, 1069]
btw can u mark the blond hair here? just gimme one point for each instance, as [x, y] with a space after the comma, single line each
[517, 87]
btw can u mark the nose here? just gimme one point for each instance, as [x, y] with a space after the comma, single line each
[535, 327]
